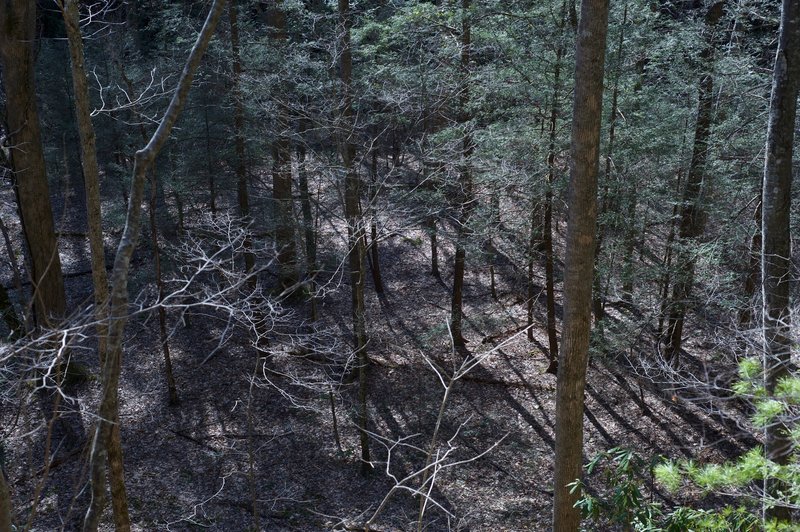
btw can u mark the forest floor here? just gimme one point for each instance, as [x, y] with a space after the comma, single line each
[249, 427]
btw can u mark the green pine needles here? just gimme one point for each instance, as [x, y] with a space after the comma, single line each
[627, 503]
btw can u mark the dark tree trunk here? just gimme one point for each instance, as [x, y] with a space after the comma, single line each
[776, 260]
[666, 263]
[172, 390]
[535, 243]
[17, 37]
[549, 258]
[598, 297]
[242, 194]
[109, 402]
[6, 521]
[372, 197]
[584, 157]
[91, 176]
[282, 170]
[355, 228]
[751, 282]
[212, 186]
[464, 194]
[693, 216]
[310, 236]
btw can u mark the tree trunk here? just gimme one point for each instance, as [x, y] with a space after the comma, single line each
[6, 520]
[238, 132]
[212, 186]
[91, 176]
[693, 216]
[282, 170]
[666, 263]
[308, 221]
[598, 297]
[372, 197]
[464, 195]
[109, 403]
[355, 228]
[549, 259]
[172, 390]
[776, 260]
[495, 221]
[751, 282]
[584, 157]
[535, 243]
[17, 37]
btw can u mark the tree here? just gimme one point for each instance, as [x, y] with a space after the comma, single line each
[144, 159]
[579, 265]
[242, 193]
[549, 258]
[282, 166]
[693, 214]
[17, 38]
[464, 197]
[91, 177]
[776, 260]
[5, 503]
[356, 251]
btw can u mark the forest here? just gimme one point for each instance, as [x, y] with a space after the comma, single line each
[476, 265]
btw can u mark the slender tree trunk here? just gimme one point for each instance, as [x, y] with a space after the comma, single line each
[308, 221]
[10, 316]
[372, 196]
[91, 176]
[464, 193]
[355, 227]
[598, 297]
[6, 521]
[776, 259]
[432, 232]
[109, 402]
[584, 157]
[172, 390]
[282, 171]
[431, 220]
[751, 282]
[549, 259]
[212, 186]
[495, 222]
[17, 37]
[27, 322]
[693, 215]
[535, 243]
[666, 263]
[242, 194]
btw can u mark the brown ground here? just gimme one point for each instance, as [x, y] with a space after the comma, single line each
[189, 467]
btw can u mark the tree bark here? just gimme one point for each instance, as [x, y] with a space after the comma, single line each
[310, 236]
[776, 262]
[6, 520]
[693, 215]
[751, 282]
[549, 258]
[144, 159]
[598, 297]
[464, 194]
[172, 389]
[242, 194]
[372, 198]
[355, 227]
[282, 170]
[584, 157]
[17, 37]
[91, 176]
